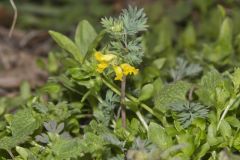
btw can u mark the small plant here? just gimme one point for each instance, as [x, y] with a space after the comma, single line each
[170, 108]
[124, 46]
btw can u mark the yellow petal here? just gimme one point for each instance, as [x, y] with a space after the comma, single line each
[119, 73]
[101, 67]
[104, 57]
[108, 57]
[135, 71]
[99, 56]
[128, 69]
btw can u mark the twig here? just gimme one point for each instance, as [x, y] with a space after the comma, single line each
[14, 18]
[122, 101]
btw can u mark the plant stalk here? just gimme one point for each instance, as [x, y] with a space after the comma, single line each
[122, 101]
[128, 96]
[115, 89]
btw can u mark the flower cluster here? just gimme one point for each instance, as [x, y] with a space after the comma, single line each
[106, 60]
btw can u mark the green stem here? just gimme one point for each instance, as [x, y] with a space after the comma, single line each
[85, 96]
[142, 120]
[230, 104]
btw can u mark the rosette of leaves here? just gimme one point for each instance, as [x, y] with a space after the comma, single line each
[186, 112]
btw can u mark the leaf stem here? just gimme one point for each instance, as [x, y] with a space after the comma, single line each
[231, 103]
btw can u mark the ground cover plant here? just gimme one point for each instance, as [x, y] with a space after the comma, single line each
[136, 90]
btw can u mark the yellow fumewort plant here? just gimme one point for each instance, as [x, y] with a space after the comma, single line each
[120, 70]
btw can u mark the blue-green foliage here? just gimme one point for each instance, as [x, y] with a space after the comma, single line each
[123, 30]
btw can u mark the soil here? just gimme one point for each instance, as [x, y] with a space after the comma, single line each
[18, 56]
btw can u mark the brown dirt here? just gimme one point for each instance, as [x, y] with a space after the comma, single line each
[18, 56]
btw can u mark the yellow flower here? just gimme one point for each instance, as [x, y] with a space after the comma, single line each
[128, 69]
[103, 60]
[124, 69]
[107, 59]
[101, 67]
[119, 72]
[98, 56]
[104, 57]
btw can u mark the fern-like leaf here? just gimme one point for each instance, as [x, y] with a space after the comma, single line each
[134, 20]
[186, 112]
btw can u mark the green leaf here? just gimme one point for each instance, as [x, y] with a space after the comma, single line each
[66, 149]
[85, 35]
[112, 140]
[67, 44]
[52, 63]
[22, 125]
[159, 63]
[23, 152]
[135, 127]
[158, 136]
[95, 145]
[225, 129]
[236, 142]
[50, 88]
[212, 138]
[165, 36]
[225, 36]
[169, 94]
[214, 90]
[157, 85]
[146, 92]
[203, 151]
[149, 74]
[188, 38]
[236, 79]
[233, 121]
[94, 44]
[25, 90]
[221, 10]
[223, 48]
[8, 143]
[186, 139]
